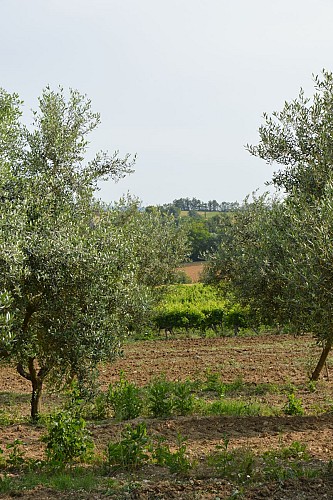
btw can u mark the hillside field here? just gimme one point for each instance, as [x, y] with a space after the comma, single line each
[193, 270]
[257, 370]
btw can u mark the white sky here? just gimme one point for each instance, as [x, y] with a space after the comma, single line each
[182, 83]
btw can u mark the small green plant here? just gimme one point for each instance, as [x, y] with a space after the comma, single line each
[5, 417]
[312, 385]
[99, 409]
[16, 456]
[236, 465]
[183, 401]
[176, 461]
[131, 451]
[294, 405]
[295, 450]
[160, 398]
[235, 387]
[213, 382]
[265, 388]
[67, 439]
[125, 400]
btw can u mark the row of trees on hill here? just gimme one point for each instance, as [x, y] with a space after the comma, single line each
[188, 204]
[276, 254]
[76, 276]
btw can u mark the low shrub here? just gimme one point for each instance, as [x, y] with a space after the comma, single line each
[125, 399]
[67, 439]
[183, 399]
[131, 451]
[160, 398]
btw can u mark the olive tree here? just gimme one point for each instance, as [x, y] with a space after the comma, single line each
[300, 138]
[277, 255]
[80, 275]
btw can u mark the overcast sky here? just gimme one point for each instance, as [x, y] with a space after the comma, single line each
[181, 83]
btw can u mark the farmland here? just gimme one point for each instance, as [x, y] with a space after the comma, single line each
[250, 372]
[193, 270]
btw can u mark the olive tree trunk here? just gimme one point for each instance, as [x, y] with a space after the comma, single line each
[325, 352]
[36, 377]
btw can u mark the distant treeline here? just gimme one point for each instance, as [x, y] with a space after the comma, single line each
[204, 232]
[187, 204]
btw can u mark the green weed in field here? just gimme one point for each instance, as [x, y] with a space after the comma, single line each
[131, 451]
[160, 398]
[183, 399]
[233, 408]
[241, 465]
[293, 406]
[177, 461]
[235, 465]
[125, 399]
[67, 439]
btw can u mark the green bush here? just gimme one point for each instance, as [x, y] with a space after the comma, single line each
[67, 439]
[160, 398]
[183, 400]
[125, 399]
[294, 405]
[99, 408]
[213, 382]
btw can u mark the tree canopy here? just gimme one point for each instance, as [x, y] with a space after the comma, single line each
[76, 276]
[300, 138]
[277, 254]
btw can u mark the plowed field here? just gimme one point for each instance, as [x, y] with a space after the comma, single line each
[270, 359]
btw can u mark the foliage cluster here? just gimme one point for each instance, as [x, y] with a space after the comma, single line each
[76, 276]
[125, 399]
[67, 439]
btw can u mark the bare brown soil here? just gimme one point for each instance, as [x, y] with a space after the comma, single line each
[193, 270]
[267, 358]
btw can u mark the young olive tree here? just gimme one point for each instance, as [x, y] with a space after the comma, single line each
[277, 255]
[300, 138]
[79, 274]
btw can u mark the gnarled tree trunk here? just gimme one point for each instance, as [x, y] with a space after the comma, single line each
[36, 377]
